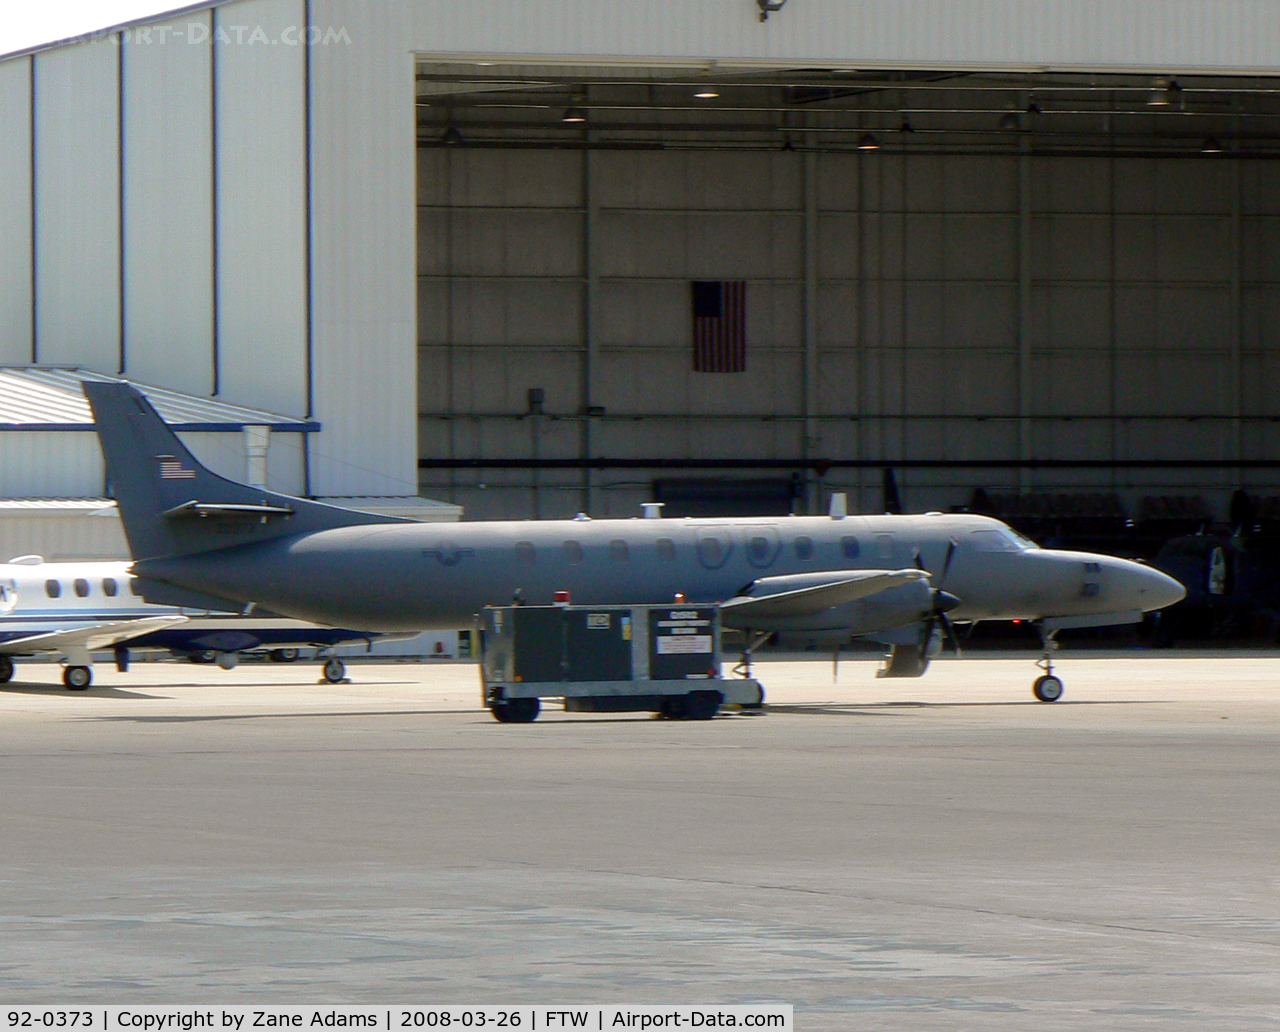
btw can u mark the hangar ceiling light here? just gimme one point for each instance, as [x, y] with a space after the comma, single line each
[707, 93]
[573, 114]
[867, 142]
[768, 7]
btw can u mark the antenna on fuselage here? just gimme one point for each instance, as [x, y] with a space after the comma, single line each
[839, 506]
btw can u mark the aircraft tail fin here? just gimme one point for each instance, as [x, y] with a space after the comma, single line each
[171, 505]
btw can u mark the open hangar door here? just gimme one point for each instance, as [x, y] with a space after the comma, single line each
[1046, 289]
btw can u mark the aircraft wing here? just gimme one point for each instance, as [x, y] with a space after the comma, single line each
[813, 598]
[90, 636]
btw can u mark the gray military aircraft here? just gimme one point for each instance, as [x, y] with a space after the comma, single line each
[200, 540]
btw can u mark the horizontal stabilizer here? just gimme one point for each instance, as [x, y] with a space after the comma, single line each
[91, 636]
[223, 510]
[787, 600]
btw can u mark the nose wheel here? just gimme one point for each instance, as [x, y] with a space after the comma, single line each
[1048, 686]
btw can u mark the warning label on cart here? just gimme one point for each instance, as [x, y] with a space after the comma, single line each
[685, 644]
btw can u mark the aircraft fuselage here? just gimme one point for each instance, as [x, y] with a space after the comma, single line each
[400, 577]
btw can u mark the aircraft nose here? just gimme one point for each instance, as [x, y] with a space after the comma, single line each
[1152, 589]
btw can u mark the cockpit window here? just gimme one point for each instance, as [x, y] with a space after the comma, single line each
[1003, 540]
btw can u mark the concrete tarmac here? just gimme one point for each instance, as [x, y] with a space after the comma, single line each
[941, 853]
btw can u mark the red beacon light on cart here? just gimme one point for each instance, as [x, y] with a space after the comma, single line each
[560, 598]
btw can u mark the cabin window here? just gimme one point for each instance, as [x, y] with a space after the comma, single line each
[849, 545]
[618, 551]
[710, 552]
[525, 552]
[758, 550]
[572, 553]
[109, 587]
[82, 587]
[666, 549]
[133, 588]
[52, 588]
[804, 548]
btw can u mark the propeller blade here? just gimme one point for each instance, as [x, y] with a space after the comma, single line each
[952, 545]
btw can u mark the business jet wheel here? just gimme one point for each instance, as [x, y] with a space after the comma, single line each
[283, 655]
[334, 670]
[516, 711]
[6, 669]
[77, 678]
[1047, 688]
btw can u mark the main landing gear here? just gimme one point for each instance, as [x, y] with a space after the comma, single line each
[1048, 686]
[77, 678]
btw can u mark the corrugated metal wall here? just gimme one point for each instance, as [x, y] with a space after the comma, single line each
[1167, 36]
[16, 310]
[168, 204]
[261, 208]
[172, 239]
[362, 290]
[77, 202]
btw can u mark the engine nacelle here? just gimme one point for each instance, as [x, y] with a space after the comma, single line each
[895, 607]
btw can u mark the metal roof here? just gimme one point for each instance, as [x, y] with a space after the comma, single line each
[45, 398]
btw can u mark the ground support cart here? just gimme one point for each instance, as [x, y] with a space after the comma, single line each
[607, 659]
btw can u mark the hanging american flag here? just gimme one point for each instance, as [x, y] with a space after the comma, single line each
[719, 326]
[171, 468]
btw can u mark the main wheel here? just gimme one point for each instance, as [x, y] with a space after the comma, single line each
[283, 655]
[1047, 688]
[334, 670]
[516, 711]
[202, 656]
[6, 669]
[77, 678]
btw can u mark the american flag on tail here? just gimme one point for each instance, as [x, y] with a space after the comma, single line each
[719, 326]
[171, 468]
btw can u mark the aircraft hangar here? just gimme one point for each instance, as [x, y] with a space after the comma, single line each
[536, 257]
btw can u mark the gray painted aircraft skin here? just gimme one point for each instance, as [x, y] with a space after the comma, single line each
[191, 531]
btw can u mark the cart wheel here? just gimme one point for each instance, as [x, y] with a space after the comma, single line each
[516, 711]
[704, 705]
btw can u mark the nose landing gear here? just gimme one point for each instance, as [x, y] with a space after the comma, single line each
[1048, 686]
